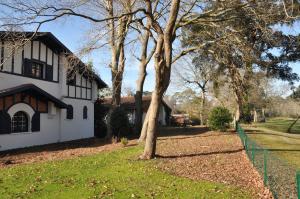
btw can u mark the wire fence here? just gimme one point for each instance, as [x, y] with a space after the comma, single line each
[282, 179]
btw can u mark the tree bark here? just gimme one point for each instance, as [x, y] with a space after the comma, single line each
[145, 127]
[237, 85]
[162, 63]
[202, 108]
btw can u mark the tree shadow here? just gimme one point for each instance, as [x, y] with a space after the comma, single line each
[199, 154]
[177, 131]
[84, 143]
[283, 150]
[257, 132]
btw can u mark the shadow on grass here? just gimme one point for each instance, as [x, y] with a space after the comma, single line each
[283, 150]
[200, 154]
[257, 132]
[84, 143]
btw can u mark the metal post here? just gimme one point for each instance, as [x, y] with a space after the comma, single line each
[253, 155]
[298, 183]
[265, 167]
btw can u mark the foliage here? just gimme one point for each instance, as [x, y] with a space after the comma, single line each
[195, 120]
[296, 93]
[105, 175]
[219, 118]
[100, 113]
[247, 115]
[124, 141]
[119, 122]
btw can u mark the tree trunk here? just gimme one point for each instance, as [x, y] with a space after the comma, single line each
[237, 85]
[150, 145]
[145, 127]
[117, 77]
[202, 108]
[139, 98]
[162, 63]
[255, 119]
[142, 75]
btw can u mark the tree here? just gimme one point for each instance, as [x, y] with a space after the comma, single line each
[244, 42]
[198, 73]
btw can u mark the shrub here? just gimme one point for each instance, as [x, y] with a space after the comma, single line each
[100, 127]
[124, 141]
[219, 119]
[247, 115]
[119, 122]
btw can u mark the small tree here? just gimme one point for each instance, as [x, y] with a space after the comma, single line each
[219, 118]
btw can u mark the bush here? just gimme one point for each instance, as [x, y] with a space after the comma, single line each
[219, 119]
[100, 127]
[247, 115]
[195, 121]
[124, 141]
[119, 122]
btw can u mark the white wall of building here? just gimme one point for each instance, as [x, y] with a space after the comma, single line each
[49, 131]
[54, 125]
[77, 128]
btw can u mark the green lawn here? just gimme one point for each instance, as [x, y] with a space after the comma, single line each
[107, 175]
[281, 124]
[272, 135]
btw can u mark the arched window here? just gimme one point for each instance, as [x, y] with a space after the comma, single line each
[19, 122]
[70, 112]
[85, 112]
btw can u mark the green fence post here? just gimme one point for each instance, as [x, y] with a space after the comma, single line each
[246, 145]
[298, 184]
[265, 167]
[253, 153]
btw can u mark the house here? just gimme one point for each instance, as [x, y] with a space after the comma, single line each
[128, 103]
[43, 98]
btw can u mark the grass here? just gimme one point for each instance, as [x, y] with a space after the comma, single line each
[107, 175]
[272, 135]
[281, 124]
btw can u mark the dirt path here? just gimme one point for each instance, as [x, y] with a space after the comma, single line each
[212, 156]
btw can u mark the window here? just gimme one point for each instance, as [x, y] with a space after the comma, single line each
[70, 112]
[85, 112]
[19, 122]
[33, 68]
[37, 70]
[71, 78]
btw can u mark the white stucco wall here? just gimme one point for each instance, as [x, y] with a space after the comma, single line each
[49, 131]
[54, 125]
[77, 128]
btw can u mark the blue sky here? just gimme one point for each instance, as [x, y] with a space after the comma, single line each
[72, 32]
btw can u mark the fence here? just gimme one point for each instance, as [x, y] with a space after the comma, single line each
[282, 179]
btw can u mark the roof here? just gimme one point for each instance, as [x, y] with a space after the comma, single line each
[54, 44]
[32, 88]
[129, 102]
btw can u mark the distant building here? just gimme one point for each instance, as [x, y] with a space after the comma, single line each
[128, 103]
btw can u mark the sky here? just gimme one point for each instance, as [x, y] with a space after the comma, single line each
[72, 33]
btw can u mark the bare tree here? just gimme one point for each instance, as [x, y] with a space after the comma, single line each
[198, 72]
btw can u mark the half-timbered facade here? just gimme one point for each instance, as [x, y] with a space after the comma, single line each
[43, 98]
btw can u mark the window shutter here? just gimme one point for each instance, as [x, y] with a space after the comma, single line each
[85, 112]
[5, 123]
[36, 122]
[27, 67]
[49, 73]
[70, 112]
